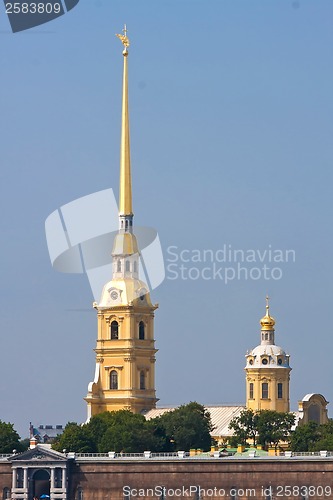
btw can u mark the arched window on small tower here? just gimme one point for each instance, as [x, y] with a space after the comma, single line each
[141, 330]
[127, 266]
[114, 330]
[264, 390]
[142, 380]
[280, 390]
[135, 267]
[113, 380]
[119, 266]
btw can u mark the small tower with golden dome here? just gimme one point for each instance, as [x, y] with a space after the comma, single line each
[125, 351]
[267, 371]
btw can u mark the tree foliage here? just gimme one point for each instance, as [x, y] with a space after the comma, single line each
[245, 426]
[274, 426]
[265, 427]
[9, 438]
[312, 437]
[75, 438]
[120, 431]
[186, 427]
[304, 437]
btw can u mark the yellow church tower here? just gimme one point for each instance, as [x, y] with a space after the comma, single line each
[267, 371]
[125, 351]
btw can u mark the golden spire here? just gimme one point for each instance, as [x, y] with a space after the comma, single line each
[267, 322]
[125, 188]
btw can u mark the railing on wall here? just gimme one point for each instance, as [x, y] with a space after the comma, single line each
[206, 455]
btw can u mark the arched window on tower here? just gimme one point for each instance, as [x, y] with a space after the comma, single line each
[135, 266]
[113, 380]
[280, 390]
[114, 330]
[251, 390]
[264, 390]
[141, 330]
[142, 380]
[127, 266]
[118, 266]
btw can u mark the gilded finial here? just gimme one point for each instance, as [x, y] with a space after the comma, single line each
[267, 322]
[124, 40]
[267, 305]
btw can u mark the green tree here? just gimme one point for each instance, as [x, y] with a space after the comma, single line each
[121, 431]
[9, 438]
[97, 427]
[325, 443]
[24, 444]
[304, 437]
[159, 439]
[324, 438]
[186, 427]
[245, 426]
[274, 427]
[75, 438]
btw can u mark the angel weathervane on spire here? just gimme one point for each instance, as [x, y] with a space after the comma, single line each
[124, 38]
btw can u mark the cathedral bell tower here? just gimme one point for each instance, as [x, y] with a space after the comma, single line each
[267, 371]
[125, 351]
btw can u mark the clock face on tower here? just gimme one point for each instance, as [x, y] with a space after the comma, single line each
[114, 295]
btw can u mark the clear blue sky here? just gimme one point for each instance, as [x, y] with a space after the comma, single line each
[231, 128]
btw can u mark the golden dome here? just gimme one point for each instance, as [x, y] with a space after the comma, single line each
[267, 322]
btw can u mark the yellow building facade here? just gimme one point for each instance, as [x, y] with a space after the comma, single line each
[267, 371]
[125, 350]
